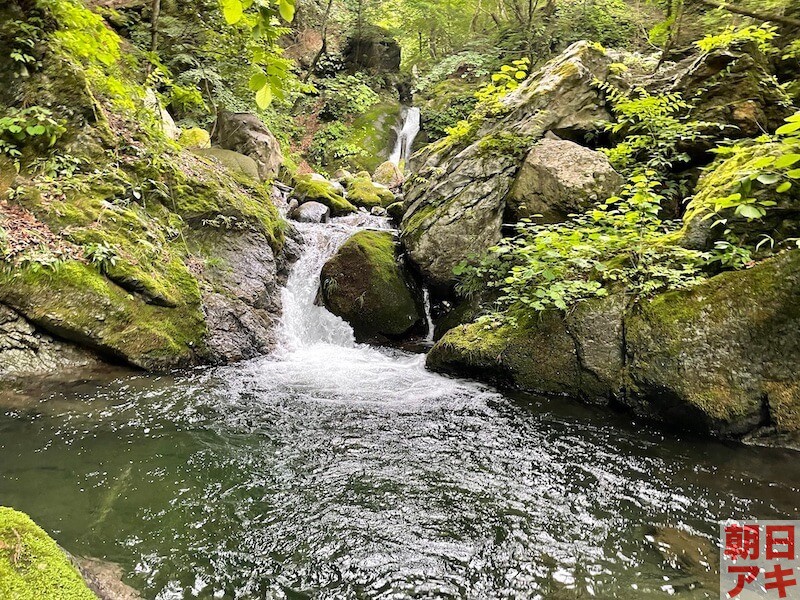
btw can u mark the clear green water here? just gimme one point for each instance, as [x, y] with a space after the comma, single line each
[237, 483]
[334, 470]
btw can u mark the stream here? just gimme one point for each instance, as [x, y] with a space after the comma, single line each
[332, 469]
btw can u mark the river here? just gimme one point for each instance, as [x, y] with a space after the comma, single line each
[337, 470]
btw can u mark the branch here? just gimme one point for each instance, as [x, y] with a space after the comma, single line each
[751, 13]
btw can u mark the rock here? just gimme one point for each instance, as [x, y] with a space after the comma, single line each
[167, 123]
[236, 162]
[720, 358]
[457, 198]
[195, 138]
[50, 574]
[388, 174]
[25, 351]
[579, 356]
[240, 294]
[782, 221]
[372, 48]
[362, 192]
[377, 211]
[396, 210]
[559, 178]
[697, 557]
[246, 134]
[322, 191]
[311, 212]
[342, 176]
[367, 285]
[723, 356]
[105, 579]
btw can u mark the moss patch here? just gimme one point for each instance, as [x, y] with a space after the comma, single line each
[32, 566]
[362, 192]
[308, 190]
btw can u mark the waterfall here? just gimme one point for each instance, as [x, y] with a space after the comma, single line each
[405, 136]
[426, 298]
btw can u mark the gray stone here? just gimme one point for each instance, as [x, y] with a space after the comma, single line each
[235, 161]
[246, 133]
[311, 212]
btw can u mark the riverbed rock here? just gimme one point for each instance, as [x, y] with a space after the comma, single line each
[105, 579]
[31, 563]
[559, 178]
[720, 358]
[396, 210]
[361, 191]
[367, 284]
[388, 174]
[247, 134]
[457, 197]
[25, 351]
[322, 191]
[311, 212]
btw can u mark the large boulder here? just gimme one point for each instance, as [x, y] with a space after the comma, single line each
[723, 356]
[559, 178]
[235, 161]
[457, 197]
[361, 191]
[246, 133]
[367, 284]
[388, 174]
[311, 212]
[720, 358]
[372, 48]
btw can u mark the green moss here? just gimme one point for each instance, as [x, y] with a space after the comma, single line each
[308, 189]
[365, 285]
[32, 566]
[362, 192]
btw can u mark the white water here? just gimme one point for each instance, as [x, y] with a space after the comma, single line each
[317, 357]
[405, 137]
[426, 299]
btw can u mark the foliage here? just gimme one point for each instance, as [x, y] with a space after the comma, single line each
[762, 36]
[439, 121]
[621, 244]
[33, 127]
[466, 64]
[777, 171]
[25, 35]
[346, 95]
[331, 143]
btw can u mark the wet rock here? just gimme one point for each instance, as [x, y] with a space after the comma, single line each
[247, 134]
[696, 556]
[105, 579]
[367, 285]
[311, 212]
[240, 295]
[396, 210]
[559, 178]
[361, 191]
[320, 190]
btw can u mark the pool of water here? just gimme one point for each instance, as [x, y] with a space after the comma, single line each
[336, 470]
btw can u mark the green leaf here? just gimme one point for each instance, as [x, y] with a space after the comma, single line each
[286, 8]
[748, 211]
[788, 128]
[795, 174]
[784, 187]
[264, 97]
[787, 160]
[768, 178]
[232, 11]
[257, 81]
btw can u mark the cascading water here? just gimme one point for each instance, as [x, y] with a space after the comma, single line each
[406, 135]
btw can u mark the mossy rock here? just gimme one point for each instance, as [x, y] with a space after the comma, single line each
[32, 566]
[236, 162]
[396, 210]
[367, 285]
[389, 175]
[362, 192]
[195, 138]
[308, 189]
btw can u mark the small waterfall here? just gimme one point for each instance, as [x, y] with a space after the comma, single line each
[426, 298]
[406, 135]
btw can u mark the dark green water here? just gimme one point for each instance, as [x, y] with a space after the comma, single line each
[237, 483]
[334, 470]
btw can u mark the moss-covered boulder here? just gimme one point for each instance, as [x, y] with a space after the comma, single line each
[388, 174]
[367, 285]
[361, 191]
[114, 238]
[236, 162]
[32, 566]
[310, 189]
[722, 357]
